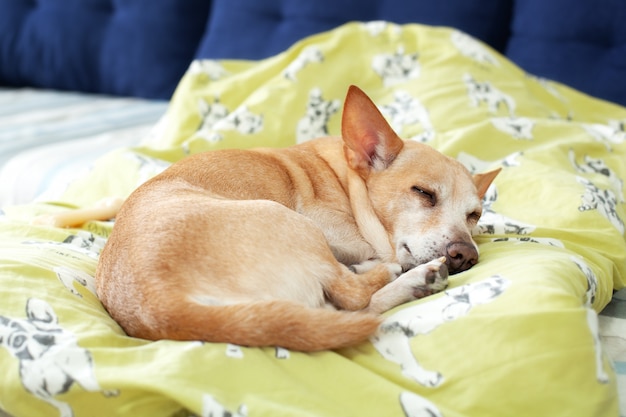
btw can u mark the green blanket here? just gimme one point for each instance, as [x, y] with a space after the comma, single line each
[514, 336]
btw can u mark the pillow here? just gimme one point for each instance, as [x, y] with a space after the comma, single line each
[132, 48]
[557, 39]
[253, 29]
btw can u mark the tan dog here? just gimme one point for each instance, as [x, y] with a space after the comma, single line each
[252, 247]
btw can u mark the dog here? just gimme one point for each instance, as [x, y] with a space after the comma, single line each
[50, 359]
[259, 247]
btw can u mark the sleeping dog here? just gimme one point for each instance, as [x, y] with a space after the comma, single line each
[301, 247]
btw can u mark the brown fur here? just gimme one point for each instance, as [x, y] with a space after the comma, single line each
[252, 247]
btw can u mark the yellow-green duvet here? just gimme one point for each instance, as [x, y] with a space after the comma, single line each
[514, 336]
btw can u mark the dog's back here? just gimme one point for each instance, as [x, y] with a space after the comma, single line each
[240, 240]
[254, 247]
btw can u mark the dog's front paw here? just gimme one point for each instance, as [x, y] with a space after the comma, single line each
[428, 278]
[364, 266]
[394, 269]
[416, 283]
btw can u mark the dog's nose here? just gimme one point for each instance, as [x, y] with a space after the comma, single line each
[460, 256]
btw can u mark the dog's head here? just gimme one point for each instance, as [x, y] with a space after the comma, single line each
[427, 202]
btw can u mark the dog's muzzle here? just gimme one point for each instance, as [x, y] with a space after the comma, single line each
[460, 256]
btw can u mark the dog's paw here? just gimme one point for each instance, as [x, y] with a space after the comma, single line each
[394, 269]
[364, 266]
[428, 278]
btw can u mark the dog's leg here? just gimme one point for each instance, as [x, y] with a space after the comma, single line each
[419, 282]
[350, 291]
[370, 264]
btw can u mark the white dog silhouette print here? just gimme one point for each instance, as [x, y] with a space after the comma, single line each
[603, 200]
[212, 408]
[592, 317]
[612, 133]
[216, 118]
[309, 55]
[50, 360]
[69, 277]
[377, 27]
[494, 223]
[236, 352]
[393, 339]
[396, 68]
[314, 124]
[212, 69]
[414, 405]
[81, 244]
[472, 48]
[406, 110]
[518, 127]
[148, 166]
[591, 165]
[484, 93]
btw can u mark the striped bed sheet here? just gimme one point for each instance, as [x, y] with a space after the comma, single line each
[613, 335]
[47, 138]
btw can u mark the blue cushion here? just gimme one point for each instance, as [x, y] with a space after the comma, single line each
[582, 43]
[122, 47]
[253, 29]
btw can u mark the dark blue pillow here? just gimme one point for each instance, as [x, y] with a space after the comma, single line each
[253, 29]
[582, 44]
[121, 47]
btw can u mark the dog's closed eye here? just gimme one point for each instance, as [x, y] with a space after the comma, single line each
[430, 196]
[474, 216]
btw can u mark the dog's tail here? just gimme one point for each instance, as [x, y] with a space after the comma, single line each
[267, 323]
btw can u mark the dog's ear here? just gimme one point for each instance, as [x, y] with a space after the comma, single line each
[483, 181]
[369, 141]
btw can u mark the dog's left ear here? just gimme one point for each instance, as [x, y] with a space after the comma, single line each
[483, 181]
[369, 141]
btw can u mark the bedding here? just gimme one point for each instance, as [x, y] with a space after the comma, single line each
[48, 137]
[518, 334]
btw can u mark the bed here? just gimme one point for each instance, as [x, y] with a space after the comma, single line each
[537, 327]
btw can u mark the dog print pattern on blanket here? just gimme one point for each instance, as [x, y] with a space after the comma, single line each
[50, 360]
[501, 339]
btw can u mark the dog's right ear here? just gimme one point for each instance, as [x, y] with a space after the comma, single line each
[369, 141]
[483, 181]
